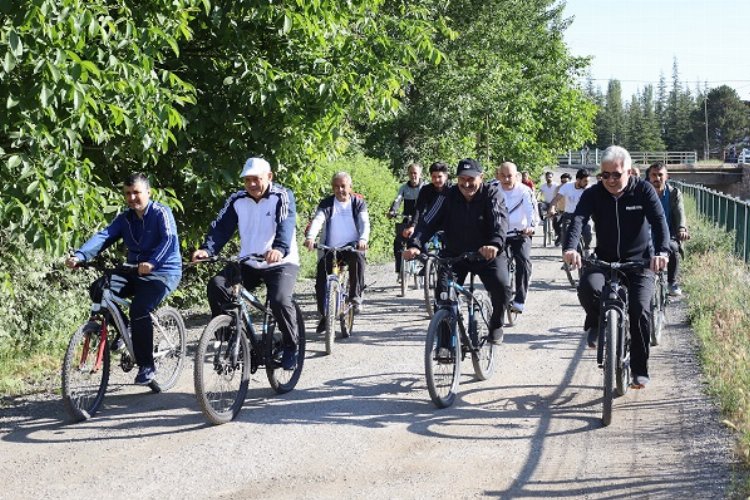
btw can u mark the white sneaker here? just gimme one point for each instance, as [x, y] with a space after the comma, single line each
[516, 307]
[675, 290]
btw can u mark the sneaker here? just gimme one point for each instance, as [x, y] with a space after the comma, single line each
[146, 375]
[357, 305]
[516, 307]
[640, 382]
[675, 290]
[495, 336]
[289, 358]
[398, 277]
[592, 337]
[321, 325]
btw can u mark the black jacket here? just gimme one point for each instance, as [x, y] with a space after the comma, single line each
[467, 225]
[427, 196]
[622, 224]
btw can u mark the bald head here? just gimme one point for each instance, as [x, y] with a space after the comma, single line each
[507, 174]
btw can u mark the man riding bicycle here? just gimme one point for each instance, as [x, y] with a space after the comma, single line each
[627, 214]
[407, 194]
[428, 194]
[519, 200]
[674, 210]
[571, 193]
[346, 222]
[149, 232]
[265, 214]
[474, 218]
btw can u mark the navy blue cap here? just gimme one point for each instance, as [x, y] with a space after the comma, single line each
[469, 167]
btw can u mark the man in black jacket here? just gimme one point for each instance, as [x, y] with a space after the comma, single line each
[627, 213]
[474, 218]
[428, 194]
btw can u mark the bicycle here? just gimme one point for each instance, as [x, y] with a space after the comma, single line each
[451, 335]
[86, 366]
[574, 275]
[337, 303]
[659, 301]
[511, 315]
[230, 349]
[430, 277]
[548, 233]
[613, 345]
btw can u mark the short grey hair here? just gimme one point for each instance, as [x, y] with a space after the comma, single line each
[341, 175]
[616, 154]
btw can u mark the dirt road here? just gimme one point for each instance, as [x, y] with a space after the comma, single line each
[361, 424]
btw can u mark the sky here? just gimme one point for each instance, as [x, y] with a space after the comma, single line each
[634, 41]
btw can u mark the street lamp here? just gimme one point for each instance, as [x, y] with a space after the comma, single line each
[705, 114]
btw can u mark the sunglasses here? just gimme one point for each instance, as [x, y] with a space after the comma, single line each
[615, 175]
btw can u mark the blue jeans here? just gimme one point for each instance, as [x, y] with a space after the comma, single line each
[147, 293]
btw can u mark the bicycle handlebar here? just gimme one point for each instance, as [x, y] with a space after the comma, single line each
[257, 257]
[122, 268]
[346, 248]
[616, 266]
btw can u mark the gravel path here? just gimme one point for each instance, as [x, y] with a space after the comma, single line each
[361, 424]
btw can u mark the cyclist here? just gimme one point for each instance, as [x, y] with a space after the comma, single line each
[345, 221]
[407, 194]
[519, 200]
[428, 194]
[572, 193]
[558, 208]
[547, 190]
[526, 180]
[265, 214]
[674, 210]
[473, 217]
[622, 207]
[149, 232]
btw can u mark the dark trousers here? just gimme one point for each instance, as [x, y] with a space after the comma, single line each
[494, 275]
[356, 263]
[147, 292]
[640, 286]
[520, 247]
[279, 282]
[565, 221]
[398, 245]
[673, 267]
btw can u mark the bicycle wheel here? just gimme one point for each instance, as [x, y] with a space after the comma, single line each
[169, 348]
[484, 358]
[332, 312]
[510, 315]
[403, 275]
[85, 372]
[657, 315]
[442, 358]
[430, 284]
[622, 365]
[220, 378]
[547, 229]
[610, 339]
[347, 320]
[284, 380]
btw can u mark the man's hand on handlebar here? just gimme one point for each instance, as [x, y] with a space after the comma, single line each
[572, 258]
[489, 252]
[71, 262]
[145, 268]
[362, 245]
[410, 253]
[273, 256]
[406, 233]
[199, 255]
[309, 244]
[659, 263]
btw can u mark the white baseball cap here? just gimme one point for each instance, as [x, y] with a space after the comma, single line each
[255, 167]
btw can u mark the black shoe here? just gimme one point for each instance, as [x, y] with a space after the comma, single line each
[321, 325]
[357, 305]
[496, 336]
[289, 358]
[118, 344]
[592, 336]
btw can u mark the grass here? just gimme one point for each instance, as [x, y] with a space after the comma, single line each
[717, 285]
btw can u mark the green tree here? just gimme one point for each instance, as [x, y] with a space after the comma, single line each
[612, 124]
[728, 118]
[678, 127]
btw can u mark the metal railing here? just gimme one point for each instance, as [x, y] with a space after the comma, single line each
[593, 157]
[730, 213]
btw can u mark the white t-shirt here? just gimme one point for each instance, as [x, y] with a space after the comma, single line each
[341, 227]
[548, 191]
[572, 195]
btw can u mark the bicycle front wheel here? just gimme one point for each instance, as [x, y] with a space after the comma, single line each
[442, 358]
[332, 312]
[657, 318]
[511, 316]
[610, 361]
[221, 373]
[430, 284]
[403, 276]
[169, 348]
[85, 372]
[485, 357]
[347, 320]
[284, 380]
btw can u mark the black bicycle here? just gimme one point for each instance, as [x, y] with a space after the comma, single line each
[232, 347]
[430, 274]
[659, 301]
[511, 315]
[613, 346]
[574, 275]
[459, 328]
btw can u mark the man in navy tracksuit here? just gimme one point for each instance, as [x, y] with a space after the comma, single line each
[627, 213]
[149, 232]
[265, 215]
[473, 218]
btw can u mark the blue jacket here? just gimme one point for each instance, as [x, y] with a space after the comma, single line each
[152, 239]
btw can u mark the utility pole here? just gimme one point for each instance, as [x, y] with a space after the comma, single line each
[705, 114]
